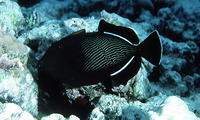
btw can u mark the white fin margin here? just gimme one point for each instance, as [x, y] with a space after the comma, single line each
[109, 33]
[121, 69]
[161, 47]
[160, 44]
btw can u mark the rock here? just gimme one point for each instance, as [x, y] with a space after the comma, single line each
[177, 58]
[20, 89]
[112, 107]
[177, 20]
[183, 49]
[141, 87]
[12, 111]
[39, 13]
[147, 4]
[172, 108]
[76, 24]
[164, 13]
[189, 10]
[55, 116]
[97, 114]
[171, 76]
[41, 38]
[11, 17]
[9, 44]
[192, 81]
[16, 82]
[193, 103]
[169, 65]
[73, 117]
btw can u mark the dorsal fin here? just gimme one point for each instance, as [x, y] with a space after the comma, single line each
[125, 32]
[78, 32]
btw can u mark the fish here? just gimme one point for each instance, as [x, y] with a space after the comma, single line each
[112, 53]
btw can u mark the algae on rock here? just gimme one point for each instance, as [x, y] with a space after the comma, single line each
[16, 82]
[11, 17]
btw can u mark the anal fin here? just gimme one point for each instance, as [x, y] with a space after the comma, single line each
[128, 72]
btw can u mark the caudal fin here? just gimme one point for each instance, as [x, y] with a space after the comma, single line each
[151, 48]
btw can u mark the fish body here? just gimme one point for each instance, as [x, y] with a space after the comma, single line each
[89, 58]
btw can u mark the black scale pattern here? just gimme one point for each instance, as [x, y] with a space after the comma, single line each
[102, 52]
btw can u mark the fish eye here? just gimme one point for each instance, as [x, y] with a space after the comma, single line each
[59, 46]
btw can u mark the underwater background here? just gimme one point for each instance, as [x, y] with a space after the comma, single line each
[168, 91]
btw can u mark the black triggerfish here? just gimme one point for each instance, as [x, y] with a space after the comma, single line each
[112, 53]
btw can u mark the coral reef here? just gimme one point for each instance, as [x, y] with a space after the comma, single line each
[11, 17]
[172, 108]
[27, 30]
[112, 107]
[13, 111]
[17, 83]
